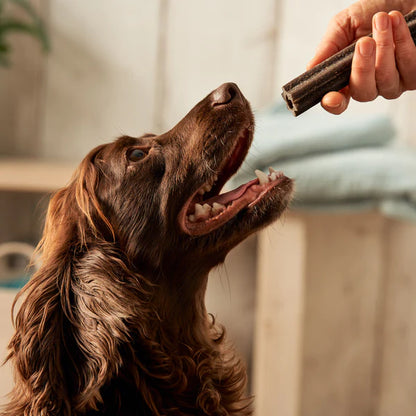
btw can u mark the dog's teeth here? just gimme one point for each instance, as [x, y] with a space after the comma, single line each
[202, 211]
[207, 188]
[199, 210]
[207, 208]
[201, 191]
[271, 170]
[192, 218]
[273, 176]
[217, 208]
[263, 178]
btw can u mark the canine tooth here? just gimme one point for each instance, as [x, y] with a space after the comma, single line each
[191, 218]
[263, 178]
[217, 208]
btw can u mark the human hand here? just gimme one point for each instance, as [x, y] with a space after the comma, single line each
[383, 65]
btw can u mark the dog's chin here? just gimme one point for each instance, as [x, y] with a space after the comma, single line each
[245, 209]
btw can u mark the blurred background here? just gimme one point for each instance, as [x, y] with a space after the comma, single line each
[320, 304]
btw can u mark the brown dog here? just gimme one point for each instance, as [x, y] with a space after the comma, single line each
[114, 322]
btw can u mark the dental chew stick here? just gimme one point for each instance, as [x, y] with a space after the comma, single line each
[333, 74]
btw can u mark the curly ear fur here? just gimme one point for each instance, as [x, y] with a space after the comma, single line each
[48, 343]
[89, 334]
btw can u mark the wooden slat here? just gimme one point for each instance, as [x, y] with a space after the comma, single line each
[279, 318]
[398, 365]
[344, 273]
[27, 175]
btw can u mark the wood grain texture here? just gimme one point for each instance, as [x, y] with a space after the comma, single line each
[34, 175]
[398, 363]
[282, 255]
[344, 271]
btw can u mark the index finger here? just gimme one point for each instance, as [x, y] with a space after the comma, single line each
[339, 35]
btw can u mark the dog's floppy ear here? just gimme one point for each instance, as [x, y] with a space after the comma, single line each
[44, 356]
[85, 183]
[74, 212]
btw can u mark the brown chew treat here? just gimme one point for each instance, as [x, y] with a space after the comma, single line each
[333, 74]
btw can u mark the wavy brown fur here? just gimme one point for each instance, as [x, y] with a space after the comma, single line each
[114, 322]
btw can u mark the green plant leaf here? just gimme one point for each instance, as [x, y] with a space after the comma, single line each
[4, 47]
[33, 26]
[36, 28]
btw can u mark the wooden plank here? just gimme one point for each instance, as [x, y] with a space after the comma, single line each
[208, 43]
[279, 318]
[101, 74]
[344, 272]
[31, 175]
[398, 365]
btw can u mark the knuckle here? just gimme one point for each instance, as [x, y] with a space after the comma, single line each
[362, 69]
[389, 87]
[406, 57]
[384, 44]
[363, 95]
[401, 41]
[385, 79]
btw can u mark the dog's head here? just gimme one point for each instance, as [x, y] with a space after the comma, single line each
[126, 250]
[160, 195]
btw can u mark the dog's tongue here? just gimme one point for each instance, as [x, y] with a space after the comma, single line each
[230, 196]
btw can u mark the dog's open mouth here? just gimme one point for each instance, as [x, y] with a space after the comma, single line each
[207, 209]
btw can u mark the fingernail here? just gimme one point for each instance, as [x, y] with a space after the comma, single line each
[331, 102]
[395, 17]
[332, 105]
[381, 21]
[366, 48]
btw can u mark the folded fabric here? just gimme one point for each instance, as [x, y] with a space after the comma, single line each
[356, 179]
[280, 136]
[347, 163]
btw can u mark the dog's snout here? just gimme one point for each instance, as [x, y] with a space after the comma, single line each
[225, 93]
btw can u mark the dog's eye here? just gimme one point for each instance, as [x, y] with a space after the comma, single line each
[136, 154]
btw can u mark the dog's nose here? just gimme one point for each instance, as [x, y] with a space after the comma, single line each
[225, 93]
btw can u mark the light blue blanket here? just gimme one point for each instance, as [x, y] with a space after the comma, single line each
[344, 163]
[281, 136]
[357, 179]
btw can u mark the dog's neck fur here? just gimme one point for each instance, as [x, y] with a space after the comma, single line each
[180, 334]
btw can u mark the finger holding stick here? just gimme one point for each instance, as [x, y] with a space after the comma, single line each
[381, 65]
